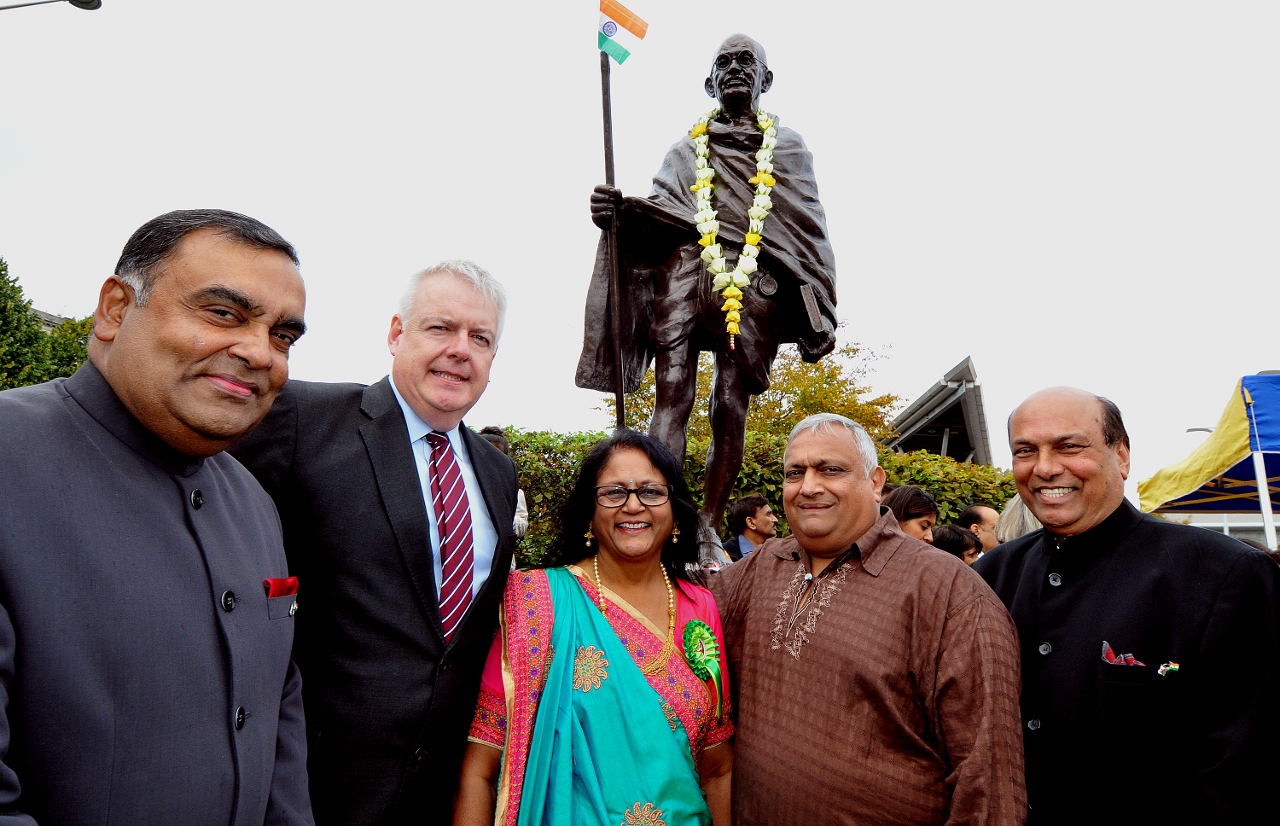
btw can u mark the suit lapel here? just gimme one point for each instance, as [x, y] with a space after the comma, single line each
[492, 486]
[386, 438]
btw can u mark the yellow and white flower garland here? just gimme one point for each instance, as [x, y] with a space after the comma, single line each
[730, 283]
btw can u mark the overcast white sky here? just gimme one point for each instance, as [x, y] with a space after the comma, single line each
[1076, 193]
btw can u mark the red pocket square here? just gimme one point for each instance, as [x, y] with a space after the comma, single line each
[1110, 656]
[286, 587]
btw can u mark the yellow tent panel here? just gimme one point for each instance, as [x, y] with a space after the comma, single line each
[1226, 447]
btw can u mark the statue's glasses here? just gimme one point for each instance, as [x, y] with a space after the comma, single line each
[615, 496]
[744, 59]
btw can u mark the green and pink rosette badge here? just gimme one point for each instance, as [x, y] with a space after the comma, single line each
[702, 652]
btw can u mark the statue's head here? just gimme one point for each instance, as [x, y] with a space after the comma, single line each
[739, 75]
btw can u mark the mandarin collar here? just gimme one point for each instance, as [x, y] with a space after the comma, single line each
[92, 392]
[1083, 549]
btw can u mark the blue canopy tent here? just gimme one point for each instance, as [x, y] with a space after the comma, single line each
[1237, 469]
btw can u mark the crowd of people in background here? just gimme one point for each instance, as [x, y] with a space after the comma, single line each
[973, 533]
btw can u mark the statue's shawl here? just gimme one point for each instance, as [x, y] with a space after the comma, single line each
[651, 229]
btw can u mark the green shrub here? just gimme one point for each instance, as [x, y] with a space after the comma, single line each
[548, 463]
[955, 485]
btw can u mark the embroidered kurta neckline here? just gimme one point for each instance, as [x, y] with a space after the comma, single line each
[788, 630]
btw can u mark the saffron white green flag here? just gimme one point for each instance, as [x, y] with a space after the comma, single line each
[620, 30]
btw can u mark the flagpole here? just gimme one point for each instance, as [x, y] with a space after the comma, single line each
[611, 236]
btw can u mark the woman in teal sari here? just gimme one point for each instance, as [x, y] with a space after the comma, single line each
[604, 701]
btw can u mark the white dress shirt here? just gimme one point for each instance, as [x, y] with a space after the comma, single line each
[484, 539]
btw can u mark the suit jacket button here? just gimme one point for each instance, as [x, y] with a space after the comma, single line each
[240, 715]
[1045, 648]
[1033, 724]
[419, 754]
[197, 499]
[228, 600]
[1055, 580]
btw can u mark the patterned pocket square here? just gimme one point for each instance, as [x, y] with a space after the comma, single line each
[1118, 659]
[281, 587]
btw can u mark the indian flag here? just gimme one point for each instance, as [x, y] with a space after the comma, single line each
[620, 30]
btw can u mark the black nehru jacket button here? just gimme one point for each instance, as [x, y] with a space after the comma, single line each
[1055, 580]
[1045, 648]
[197, 499]
[228, 600]
[240, 717]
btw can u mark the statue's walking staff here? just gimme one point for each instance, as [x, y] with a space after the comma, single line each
[617, 23]
[615, 314]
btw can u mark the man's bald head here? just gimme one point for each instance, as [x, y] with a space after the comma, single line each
[738, 42]
[1113, 430]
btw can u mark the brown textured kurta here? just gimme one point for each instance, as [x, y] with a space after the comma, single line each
[889, 697]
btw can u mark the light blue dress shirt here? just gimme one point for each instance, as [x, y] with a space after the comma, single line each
[744, 544]
[484, 539]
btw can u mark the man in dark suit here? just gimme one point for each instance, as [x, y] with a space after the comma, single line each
[1150, 650]
[146, 613]
[403, 548]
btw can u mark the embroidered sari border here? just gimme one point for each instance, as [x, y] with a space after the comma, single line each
[687, 697]
[528, 615]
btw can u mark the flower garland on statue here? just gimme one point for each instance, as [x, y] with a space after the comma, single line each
[731, 282]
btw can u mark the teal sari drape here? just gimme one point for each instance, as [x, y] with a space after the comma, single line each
[603, 751]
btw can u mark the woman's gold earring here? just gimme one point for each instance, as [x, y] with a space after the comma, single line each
[589, 535]
[675, 534]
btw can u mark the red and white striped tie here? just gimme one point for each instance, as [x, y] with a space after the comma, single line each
[453, 518]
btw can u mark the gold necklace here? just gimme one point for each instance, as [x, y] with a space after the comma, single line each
[669, 645]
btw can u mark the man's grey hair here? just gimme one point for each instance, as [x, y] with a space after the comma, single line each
[1016, 520]
[826, 423]
[148, 250]
[477, 276]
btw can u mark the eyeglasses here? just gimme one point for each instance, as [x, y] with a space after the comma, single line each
[744, 59]
[615, 496]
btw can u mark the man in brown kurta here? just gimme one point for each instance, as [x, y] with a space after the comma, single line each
[876, 679]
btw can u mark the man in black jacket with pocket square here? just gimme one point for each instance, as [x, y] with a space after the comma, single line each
[397, 521]
[1149, 650]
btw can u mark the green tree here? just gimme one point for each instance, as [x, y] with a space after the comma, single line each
[24, 351]
[27, 354]
[548, 464]
[68, 346]
[836, 384]
[953, 484]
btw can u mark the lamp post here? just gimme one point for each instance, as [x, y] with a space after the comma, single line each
[87, 5]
